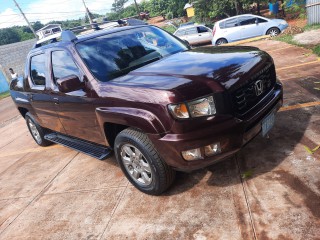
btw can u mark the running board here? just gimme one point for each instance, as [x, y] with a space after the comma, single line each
[91, 149]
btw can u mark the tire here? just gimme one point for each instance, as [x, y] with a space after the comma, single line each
[36, 131]
[273, 32]
[221, 41]
[141, 163]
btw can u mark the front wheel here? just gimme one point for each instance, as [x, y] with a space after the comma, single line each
[273, 32]
[221, 41]
[141, 163]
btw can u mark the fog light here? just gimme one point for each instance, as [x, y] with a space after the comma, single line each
[192, 155]
[212, 149]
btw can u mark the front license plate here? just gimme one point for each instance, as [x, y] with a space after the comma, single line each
[268, 123]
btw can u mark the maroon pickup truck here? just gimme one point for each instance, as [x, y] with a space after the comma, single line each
[160, 105]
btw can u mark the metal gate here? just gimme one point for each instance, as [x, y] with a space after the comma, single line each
[313, 11]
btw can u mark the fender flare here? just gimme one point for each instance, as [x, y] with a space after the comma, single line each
[132, 117]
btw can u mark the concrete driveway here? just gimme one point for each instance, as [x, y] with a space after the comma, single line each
[270, 190]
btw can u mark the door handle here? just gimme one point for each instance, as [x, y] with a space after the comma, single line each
[200, 35]
[56, 101]
[30, 96]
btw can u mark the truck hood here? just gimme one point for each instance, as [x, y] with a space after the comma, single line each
[214, 67]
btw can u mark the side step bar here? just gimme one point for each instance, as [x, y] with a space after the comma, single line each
[91, 149]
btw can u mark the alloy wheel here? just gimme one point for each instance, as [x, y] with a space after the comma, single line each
[136, 165]
[34, 131]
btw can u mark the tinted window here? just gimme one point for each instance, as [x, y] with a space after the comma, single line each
[202, 29]
[116, 54]
[63, 65]
[38, 70]
[247, 21]
[231, 23]
[190, 31]
[222, 25]
[260, 20]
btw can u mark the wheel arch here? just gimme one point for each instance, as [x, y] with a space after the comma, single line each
[272, 28]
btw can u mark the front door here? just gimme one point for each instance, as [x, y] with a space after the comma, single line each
[75, 109]
[249, 27]
[39, 95]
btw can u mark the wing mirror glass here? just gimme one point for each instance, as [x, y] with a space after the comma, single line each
[257, 22]
[69, 84]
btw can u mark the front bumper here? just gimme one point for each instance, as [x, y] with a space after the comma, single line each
[232, 136]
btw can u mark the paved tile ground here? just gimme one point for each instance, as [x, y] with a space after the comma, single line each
[57, 193]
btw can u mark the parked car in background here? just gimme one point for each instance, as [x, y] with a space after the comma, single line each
[246, 26]
[194, 34]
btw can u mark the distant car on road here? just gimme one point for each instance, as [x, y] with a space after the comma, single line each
[246, 26]
[194, 34]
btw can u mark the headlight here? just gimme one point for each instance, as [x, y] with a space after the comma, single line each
[198, 108]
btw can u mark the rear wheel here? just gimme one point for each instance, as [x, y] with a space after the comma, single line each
[141, 163]
[273, 32]
[36, 131]
[221, 41]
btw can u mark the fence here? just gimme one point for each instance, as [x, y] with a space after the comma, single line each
[313, 11]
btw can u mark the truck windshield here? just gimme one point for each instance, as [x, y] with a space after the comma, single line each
[114, 55]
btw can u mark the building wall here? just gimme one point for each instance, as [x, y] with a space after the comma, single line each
[14, 56]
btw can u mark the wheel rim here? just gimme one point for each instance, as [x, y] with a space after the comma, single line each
[136, 165]
[220, 42]
[273, 33]
[34, 131]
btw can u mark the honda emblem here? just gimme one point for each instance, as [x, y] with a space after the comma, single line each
[258, 86]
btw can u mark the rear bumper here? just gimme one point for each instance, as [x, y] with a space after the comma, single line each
[232, 136]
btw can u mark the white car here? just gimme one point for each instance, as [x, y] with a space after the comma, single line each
[194, 34]
[246, 26]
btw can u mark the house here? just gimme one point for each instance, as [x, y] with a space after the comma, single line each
[190, 10]
[48, 30]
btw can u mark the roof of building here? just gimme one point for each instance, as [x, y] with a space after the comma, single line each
[49, 26]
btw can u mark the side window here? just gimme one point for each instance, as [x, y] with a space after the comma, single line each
[247, 21]
[191, 31]
[260, 20]
[38, 70]
[202, 29]
[231, 23]
[222, 25]
[63, 65]
[180, 33]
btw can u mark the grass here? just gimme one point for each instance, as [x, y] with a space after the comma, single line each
[4, 95]
[311, 27]
[289, 39]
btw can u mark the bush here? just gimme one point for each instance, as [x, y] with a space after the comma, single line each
[169, 15]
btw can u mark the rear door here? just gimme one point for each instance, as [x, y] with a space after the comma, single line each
[39, 95]
[204, 34]
[231, 30]
[192, 35]
[75, 109]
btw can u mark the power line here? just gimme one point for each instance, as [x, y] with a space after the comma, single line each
[26, 19]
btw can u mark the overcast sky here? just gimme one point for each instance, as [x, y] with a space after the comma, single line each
[48, 10]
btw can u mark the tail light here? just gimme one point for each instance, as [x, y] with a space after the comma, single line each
[214, 30]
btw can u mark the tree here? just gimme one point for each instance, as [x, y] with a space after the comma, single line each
[9, 35]
[118, 5]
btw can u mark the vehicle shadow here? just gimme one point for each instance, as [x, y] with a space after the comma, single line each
[261, 155]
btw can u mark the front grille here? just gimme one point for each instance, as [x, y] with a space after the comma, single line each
[248, 95]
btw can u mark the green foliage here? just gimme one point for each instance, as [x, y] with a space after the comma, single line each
[9, 35]
[169, 29]
[4, 94]
[316, 50]
[311, 27]
[118, 5]
[169, 15]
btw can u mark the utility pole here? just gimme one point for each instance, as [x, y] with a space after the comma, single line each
[88, 13]
[137, 7]
[25, 18]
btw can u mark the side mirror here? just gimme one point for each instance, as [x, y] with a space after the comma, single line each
[187, 43]
[257, 22]
[69, 84]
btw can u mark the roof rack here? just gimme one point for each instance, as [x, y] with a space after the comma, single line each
[69, 36]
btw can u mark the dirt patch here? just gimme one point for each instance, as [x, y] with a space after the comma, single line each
[308, 38]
